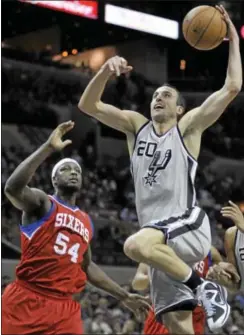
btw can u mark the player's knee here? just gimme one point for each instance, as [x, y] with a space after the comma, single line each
[132, 248]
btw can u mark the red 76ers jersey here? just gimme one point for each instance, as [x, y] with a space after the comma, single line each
[53, 250]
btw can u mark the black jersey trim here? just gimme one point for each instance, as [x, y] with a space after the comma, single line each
[182, 141]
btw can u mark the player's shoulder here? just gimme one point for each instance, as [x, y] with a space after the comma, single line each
[85, 215]
[137, 119]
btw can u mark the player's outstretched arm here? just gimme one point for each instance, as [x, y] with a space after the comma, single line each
[97, 277]
[91, 104]
[16, 189]
[225, 273]
[209, 112]
[141, 280]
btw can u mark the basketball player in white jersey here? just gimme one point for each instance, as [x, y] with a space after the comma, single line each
[175, 233]
[231, 273]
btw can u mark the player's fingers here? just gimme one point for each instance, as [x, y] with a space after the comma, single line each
[224, 273]
[128, 69]
[66, 126]
[233, 273]
[144, 302]
[116, 67]
[67, 142]
[219, 9]
[233, 204]
[111, 66]
[123, 62]
[230, 211]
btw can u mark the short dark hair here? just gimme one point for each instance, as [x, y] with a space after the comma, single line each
[180, 100]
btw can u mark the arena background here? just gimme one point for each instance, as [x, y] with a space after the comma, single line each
[50, 50]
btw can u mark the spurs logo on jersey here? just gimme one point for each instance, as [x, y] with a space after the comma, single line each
[69, 221]
[158, 163]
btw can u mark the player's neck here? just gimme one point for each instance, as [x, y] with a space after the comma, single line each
[162, 128]
[69, 199]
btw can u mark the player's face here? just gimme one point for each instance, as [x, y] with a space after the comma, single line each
[164, 104]
[69, 176]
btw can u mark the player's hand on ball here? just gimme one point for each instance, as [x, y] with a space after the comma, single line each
[117, 65]
[234, 213]
[232, 33]
[138, 305]
[55, 140]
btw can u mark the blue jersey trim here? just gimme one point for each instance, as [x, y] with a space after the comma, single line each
[32, 227]
[92, 226]
[64, 203]
[210, 260]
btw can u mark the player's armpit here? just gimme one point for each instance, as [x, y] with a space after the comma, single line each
[29, 200]
[202, 117]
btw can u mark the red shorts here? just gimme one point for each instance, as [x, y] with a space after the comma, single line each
[152, 326]
[27, 312]
[198, 318]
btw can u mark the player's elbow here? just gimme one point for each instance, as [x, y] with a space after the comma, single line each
[234, 87]
[87, 106]
[9, 189]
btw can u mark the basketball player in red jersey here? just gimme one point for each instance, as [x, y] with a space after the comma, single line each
[141, 283]
[56, 257]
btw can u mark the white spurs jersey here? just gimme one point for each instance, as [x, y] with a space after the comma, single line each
[163, 173]
[239, 255]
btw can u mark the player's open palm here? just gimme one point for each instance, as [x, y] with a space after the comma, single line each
[55, 140]
[138, 305]
[234, 213]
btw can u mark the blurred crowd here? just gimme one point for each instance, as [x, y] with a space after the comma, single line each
[102, 314]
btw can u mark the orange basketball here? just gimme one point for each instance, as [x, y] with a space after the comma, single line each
[204, 28]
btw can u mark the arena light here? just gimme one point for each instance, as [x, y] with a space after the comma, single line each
[148, 23]
[87, 9]
[242, 32]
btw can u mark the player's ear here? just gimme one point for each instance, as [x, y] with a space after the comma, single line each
[180, 110]
[54, 181]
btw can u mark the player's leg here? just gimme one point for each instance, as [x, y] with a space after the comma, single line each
[179, 322]
[149, 246]
[187, 241]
